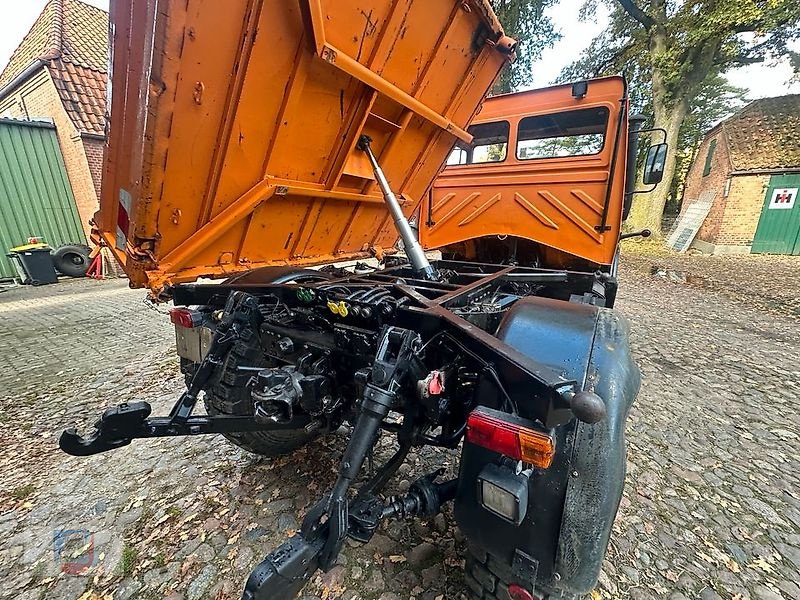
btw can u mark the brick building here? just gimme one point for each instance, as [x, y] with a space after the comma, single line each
[59, 71]
[739, 163]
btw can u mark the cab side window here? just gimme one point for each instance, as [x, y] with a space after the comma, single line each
[570, 133]
[489, 144]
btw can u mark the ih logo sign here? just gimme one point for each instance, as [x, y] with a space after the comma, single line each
[783, 198]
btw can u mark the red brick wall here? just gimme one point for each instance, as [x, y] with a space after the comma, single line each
[698, 186]
[743, 210]
[38, 98]
[94, 155]
[734, 216]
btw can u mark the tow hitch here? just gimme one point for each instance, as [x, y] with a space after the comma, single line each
[119, 425]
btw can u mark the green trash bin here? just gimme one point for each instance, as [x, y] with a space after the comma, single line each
[34, 264]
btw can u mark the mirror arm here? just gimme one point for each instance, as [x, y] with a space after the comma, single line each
[659, 129]
[645, 191]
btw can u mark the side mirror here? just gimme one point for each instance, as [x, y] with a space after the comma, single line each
[654, 164]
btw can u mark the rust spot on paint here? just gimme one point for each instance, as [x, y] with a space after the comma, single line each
[197, 95]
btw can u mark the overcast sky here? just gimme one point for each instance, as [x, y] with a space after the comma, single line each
[761, 80]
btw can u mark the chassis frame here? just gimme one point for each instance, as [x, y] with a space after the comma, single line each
[425, 310]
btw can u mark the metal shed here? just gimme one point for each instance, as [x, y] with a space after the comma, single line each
[35, 195]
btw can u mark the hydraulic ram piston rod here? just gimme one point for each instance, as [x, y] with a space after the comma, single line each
[414, 251]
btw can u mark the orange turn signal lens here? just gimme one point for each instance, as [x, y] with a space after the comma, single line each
[506, 435]
[537, 448]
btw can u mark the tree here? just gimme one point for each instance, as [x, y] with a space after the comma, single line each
[525, 21]
[674, 52]
[715, 102]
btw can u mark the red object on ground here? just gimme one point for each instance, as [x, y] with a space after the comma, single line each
[95, 270]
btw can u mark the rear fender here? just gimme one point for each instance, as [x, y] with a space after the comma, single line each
[282, 274]
[594, 489]
[562, 540]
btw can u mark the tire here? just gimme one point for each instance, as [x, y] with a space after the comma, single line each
[72, 260]
[488, 579]
[229, 394]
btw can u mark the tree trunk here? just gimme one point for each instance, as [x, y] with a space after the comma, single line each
[648, 209]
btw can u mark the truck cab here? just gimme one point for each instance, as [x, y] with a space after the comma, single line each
[543, 180]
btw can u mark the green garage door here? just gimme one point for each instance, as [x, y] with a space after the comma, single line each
[35, 195]
[778, 229]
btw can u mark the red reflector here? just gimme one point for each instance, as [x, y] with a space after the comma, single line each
[517, 592]
[510, 439]
[493, 434]
[182, 317]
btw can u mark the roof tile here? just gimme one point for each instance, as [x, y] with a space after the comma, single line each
[71, 38]
[764, 134]
[82, 91]
[37, 43]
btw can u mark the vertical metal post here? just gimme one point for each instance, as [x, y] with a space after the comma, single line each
[635, 123]
[414, 251]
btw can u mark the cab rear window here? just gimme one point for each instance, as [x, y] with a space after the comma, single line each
[489, 144]
[569, 133]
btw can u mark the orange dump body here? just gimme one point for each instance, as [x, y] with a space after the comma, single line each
[234, 125]
[541, 168]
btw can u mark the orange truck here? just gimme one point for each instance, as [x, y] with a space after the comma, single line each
[251, 143]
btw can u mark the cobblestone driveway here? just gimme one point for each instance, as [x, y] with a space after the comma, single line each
[711, 506]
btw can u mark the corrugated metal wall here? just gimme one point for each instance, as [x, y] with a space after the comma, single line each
[35, 195]
[778, 229]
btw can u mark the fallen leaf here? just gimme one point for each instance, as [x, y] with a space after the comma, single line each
[761, 563]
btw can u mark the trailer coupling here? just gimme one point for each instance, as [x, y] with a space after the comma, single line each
[119, 425]
[284, 572]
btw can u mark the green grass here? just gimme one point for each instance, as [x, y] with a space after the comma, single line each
[128, 560]
[23, 491]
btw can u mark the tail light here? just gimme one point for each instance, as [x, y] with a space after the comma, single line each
[502, 433]
[185, 317]
[517, 592]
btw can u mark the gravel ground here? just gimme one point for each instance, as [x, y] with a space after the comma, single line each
[711, 506]
[765, 283]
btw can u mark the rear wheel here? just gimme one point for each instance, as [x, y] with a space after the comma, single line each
[229, 394]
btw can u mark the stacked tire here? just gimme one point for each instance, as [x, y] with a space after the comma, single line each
[72, 260]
